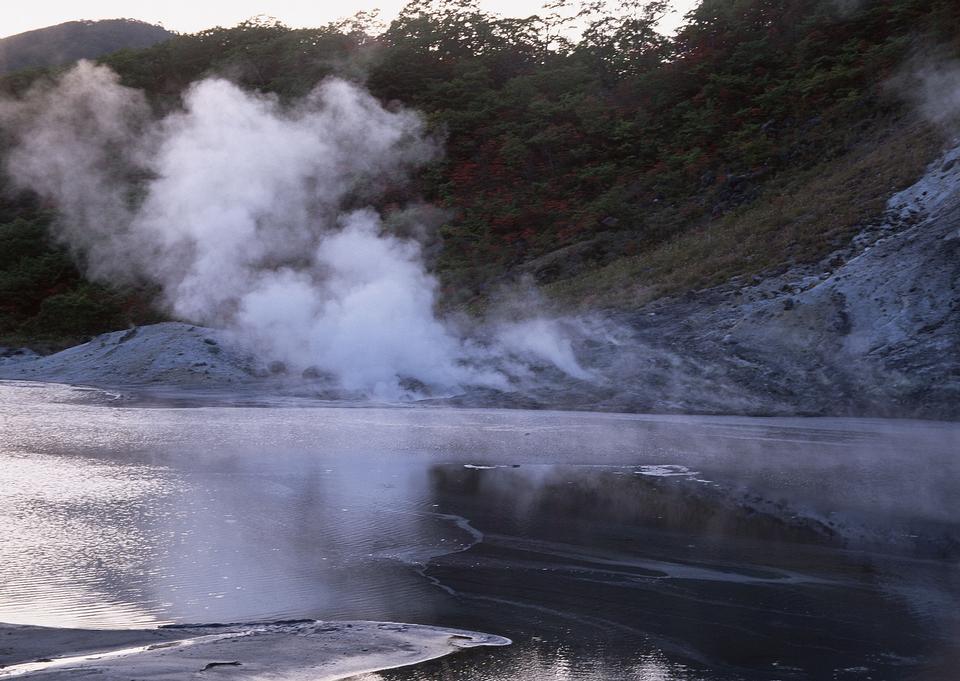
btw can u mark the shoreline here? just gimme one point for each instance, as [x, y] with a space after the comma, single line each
[142, 396]
[290, 650]
[265, 395]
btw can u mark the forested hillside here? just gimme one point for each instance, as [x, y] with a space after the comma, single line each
[612, 168]
[73, 40]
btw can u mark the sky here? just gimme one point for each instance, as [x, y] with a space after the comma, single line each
[188, 16]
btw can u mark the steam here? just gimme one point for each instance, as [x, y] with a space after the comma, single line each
[254, 216]
[932, 83]
[940, 93]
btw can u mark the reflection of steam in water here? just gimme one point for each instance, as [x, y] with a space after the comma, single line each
[83, 522]
[291, 534]
[130, 537]
[592, 533]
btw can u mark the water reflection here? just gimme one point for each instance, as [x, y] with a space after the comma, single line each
[544, 660]
[680, 567]
[61, 517]
[606, 546]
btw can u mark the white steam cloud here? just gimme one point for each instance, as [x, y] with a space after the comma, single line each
[938, 92]
[253, 215]
[930, 80]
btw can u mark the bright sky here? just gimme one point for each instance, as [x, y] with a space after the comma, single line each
[188, 16]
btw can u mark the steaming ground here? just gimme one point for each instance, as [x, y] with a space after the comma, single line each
[254, 219]
[874, 329]
[172, 354]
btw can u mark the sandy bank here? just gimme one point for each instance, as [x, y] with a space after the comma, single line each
[287, 651]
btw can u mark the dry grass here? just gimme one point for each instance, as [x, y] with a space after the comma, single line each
[799, 217]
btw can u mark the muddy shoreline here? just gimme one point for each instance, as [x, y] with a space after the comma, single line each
[307, 649]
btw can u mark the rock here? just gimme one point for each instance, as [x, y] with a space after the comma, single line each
[17, 353]
[414, 385]
[312, 373]
[128, 335]
[878, 336]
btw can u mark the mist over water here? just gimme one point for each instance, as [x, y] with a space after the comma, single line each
[256, 216]
[606, 546]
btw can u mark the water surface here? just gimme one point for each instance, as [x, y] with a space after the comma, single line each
[607, 546]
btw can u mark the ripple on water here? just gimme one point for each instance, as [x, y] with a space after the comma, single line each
[119, 517]
[71, 532]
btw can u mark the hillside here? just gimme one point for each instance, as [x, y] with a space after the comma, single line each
[622, 171]
[848, 335]
[73, 40]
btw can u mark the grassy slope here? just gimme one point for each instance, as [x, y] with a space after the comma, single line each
[800, 216]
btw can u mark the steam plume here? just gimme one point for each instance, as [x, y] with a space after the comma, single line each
[940, 93]
[931, 81]
[254, 216]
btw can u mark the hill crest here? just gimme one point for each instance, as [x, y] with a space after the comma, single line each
[67, 42]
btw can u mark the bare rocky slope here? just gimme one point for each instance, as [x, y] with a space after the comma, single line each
[873, 329]
[171, 353]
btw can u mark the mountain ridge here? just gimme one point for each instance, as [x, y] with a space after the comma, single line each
[64, 43]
